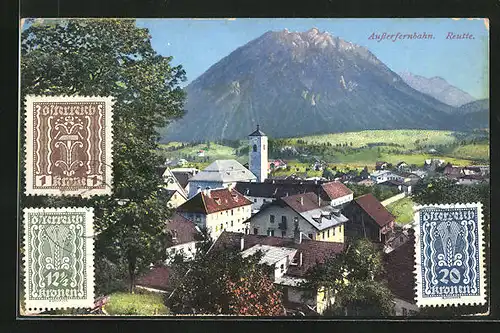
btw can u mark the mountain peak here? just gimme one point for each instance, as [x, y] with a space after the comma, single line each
[303, 83]
[438, 88]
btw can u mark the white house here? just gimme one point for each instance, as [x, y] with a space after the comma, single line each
[381, 176]
[217, 210]
[291, 258]
[219, 174]
[184, 235]
[306, 213]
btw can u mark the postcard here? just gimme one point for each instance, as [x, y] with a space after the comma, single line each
[303, 167]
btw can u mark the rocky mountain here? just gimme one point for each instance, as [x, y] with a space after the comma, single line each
[302, 83]
[475, 114]
[438, 88]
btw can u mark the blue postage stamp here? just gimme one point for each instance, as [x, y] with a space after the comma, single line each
[449, 255]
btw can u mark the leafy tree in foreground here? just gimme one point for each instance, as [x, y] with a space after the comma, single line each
[222, 282]
[355, 277]
[112, 57]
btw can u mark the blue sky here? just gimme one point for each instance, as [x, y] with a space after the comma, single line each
[197, 44]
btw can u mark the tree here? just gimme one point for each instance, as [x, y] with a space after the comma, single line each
[356, 277]
[364, 173]
[222, 282]
[112, 57]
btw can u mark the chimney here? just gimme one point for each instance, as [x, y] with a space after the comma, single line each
[300, 259]
[242, 243]
[297, 236]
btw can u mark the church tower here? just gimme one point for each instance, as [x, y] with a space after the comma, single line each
[257, 159]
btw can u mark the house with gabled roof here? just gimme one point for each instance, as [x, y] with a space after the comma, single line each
[368, 218]
[399, 267]
[219, 174]
[334, 193]
[184, 234]
[290, 259]
[306, 212]
[217, 210]
[176, 193]
[381, 165]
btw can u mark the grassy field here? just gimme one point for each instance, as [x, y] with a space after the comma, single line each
[402, 210]
[472, 152]
[358, 158]
[140, 304]
[400, 137]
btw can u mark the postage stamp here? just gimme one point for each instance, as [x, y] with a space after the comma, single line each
[68, 145]
[449, 255]
[59, 258]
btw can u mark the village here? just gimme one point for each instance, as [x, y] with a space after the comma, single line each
[296, 222]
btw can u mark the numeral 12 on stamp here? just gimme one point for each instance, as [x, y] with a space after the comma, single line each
[58, 262]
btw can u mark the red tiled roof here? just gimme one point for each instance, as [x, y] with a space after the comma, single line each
[304, 202]
[375, 209]
[312, 251]
[399, 268]
[157, 278]
[336, 190]
[185, 229]
[218, 200]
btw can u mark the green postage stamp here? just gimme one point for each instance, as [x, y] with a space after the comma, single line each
[59, 258]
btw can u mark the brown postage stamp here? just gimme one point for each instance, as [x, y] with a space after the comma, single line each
[68, 145]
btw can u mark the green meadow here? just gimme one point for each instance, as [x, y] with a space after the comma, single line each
[358, 149]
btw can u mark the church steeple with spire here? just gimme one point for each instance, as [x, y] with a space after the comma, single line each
[257, 156]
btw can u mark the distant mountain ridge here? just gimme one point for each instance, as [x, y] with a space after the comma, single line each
[303, 83]
[438, 88]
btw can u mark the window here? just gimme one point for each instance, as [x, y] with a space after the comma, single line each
[232, 212]
[255, 231]
[333, 230]
[221, 226]
[310, 236]
[283, 219]
[271, 218]
[283, 233]
[328, 233]
[282, 268]
[231, 223]
[254, 200]
[264, 147]
[405, 312]
[323, 234]
[270, 232]
[254, 148]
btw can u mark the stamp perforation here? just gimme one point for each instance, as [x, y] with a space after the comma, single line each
[32, 147]
[465, 298]
[88, 280]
